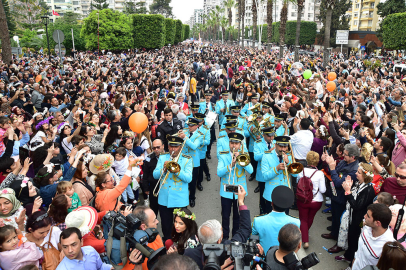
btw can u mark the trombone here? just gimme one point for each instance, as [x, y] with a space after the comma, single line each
[171, 167]
[292, 168]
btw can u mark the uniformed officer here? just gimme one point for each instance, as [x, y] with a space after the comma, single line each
[207, 106]
[226, 119]
[267, 111]
[254, 100]
[202, 150]
[252, 139]
[231, 172]
[194, 139]
[265, 144]
[268, 226]
[223, 106]
[174, 191]
[223, 141]
[168, 127]
[273, 169]
[194, 108]
[281, 128]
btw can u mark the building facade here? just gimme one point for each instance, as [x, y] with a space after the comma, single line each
[364, 16]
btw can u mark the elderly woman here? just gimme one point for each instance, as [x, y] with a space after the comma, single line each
[107, 198]
[358, 197]
[11, 211]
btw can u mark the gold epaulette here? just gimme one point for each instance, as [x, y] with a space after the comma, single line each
[224, 152]
[222, 136]
[222, 129]
[200, 132]
[165, 153]
[258, 141]
[293, 216]
[186, 156]
[268, 152]
[206, 126]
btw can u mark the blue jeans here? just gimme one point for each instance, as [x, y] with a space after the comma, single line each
[128, 192]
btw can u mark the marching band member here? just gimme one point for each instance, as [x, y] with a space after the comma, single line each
[194, 108]
[231, 173]
[194, 139]
[207, 106]
[252, 141]
[267, 111]
[281, 128]
[223, 142]
[273, 168]
[223, 106]
[265, 144]
[174, 191]
[245, 111]
[202, 150]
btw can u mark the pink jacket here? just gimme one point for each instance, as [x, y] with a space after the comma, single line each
[399, 152]
[25, 254]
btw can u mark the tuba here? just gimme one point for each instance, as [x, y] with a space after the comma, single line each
[256, 131]
[256, 108]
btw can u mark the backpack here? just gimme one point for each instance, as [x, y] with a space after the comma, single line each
[304, 192]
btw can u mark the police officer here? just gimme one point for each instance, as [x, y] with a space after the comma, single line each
[207, 106]
[223, 141]
[168, 126]
[273, 169]
[268, 226]
[202, 150]
[194, 139]
[231, 172]
[223, 106]
[265, 144]
[254, 100]
[174, 190]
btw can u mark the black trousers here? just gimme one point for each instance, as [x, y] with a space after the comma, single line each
[254, 163]
[192, 185]
[166, 221]
[226, 205]
[262, 201]
[354, 231]
[336, 210]
[203, 168]
[153, 203]
[212, 138]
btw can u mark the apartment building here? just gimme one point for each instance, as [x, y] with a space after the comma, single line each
[364, 16]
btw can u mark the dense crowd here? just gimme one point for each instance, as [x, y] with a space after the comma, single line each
[70, 157]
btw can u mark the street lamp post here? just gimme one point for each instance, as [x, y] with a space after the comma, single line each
[45, 20]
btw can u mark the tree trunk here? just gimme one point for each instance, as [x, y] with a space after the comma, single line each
[300, 5]
[230, 16]
[239, 22]
[254, 19]
[282, 27]
[243, 22]
[269, 10]
[326, 54]
[5, 37]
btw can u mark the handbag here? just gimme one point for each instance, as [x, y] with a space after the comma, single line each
[51, 255]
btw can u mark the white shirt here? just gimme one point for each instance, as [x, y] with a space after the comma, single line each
[301, 143]
[319, 184]
[370, 248]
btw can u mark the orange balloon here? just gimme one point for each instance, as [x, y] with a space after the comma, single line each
[331, 86]
[138, 122]
[332, 76]
[249, 94]
[38, 78]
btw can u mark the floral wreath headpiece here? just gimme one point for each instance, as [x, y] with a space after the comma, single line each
[62, 126]
[45, 121]
[180, 213]
[368, 173]
[49, 170]
[106, 164]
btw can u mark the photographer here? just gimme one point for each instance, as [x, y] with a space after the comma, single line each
[210, 232]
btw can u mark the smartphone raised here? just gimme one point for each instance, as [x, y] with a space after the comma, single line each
[231, 188]
[395, 119]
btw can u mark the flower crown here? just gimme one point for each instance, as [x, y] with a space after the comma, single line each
[49, 170]
[180, 213]
[105, 165]
[62, 126]
[45, 121]
[368, 173]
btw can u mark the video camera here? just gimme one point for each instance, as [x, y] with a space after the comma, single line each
[292, 261]
[241, 254]
[127, 227]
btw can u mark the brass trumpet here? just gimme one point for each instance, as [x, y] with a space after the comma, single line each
[294, 167]
[242, 159]
[256, 108]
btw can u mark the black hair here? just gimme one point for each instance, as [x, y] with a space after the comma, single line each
[381, 213]
[289, 237]
[5, 164]
[112, 136]
[190, 231]
[68, 232]
[5, 232]
[386, 143]
[34, 223]
[292, 111]
[305, 124]
[42, 177]
[167, 111]
[121, 151]
[175, 261]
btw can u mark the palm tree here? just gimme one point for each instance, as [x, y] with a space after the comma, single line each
[5, 36]
[254, 17]
[238, 5]
[269, 8]
[282, 27]
[300, 6]
[242, 21]
[223, 24]
[231, 31]
[229, 4]
[326, 55]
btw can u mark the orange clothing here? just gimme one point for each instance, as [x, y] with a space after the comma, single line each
[107, 198]
[154, 245]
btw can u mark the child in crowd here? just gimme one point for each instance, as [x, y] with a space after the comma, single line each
[386, 199]
[120, 166]
[14, 252]
[66, 187]
[4, 125]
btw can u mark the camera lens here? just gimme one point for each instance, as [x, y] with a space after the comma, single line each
[310, 260]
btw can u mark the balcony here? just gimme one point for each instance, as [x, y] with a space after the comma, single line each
[368, 1]
[366, 18]
[365, 28]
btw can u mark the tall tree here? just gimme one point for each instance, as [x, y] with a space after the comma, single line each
[300, 6]
[99, 4]
[223, 24]
[10, 20]
[390, 7]
[135, 8]
[27, 13]
[229, 4]
[269, 9]
[282, 27]
[69, 17]
[239, 5]
[161, 7]
[242, 21]
[5, 37]
[254, 17]
[326, 54]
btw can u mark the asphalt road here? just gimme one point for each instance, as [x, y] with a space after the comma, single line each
[208, 207]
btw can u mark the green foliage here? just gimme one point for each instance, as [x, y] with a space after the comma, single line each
[308, 32]
[187, 31]
[148, 31]
[170, 30]
[27, 13]
[275, 32]
[66, 29]
[178, 32]
[183, 33]
[99, 4]
[393, 31]
[27, 37]
[10, 20]
[161, 7]
[68, 17]
[391, 7]
[135, 8]
[338, 19]
[114, 30]
[373, 64]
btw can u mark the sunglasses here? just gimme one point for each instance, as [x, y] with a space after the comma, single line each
[403, 177]
[156, 147]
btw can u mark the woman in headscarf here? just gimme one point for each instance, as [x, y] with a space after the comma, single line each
[27, 194]
[11, 211]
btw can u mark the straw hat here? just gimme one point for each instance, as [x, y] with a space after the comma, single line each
[84, 218]
[101, 163]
